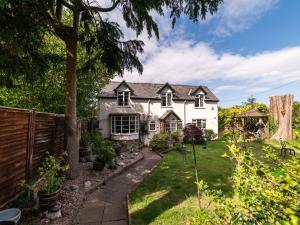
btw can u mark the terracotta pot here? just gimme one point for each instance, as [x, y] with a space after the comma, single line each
[98, 165]
[48, 200]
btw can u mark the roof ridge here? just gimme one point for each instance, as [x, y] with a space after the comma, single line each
[186, 85]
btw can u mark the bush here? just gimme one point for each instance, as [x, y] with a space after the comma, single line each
[190, 131]
[175, 135]
[103, 148]
[210, 134]
[159, 142]
[266, 191]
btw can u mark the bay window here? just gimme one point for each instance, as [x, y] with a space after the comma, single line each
[124, 124]
[166, 99]
[123, 98]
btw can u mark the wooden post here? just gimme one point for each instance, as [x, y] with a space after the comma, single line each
[30, 144]
[281, 108]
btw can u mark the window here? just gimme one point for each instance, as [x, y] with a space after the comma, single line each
[152, 126]
[173, 125]
[123, 98]
[124, 124]
[166, 99]
[199, 101]
[201, 123]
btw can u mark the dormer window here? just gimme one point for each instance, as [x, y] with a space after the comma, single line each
[123, 98]
[199, 101]
[166, 99]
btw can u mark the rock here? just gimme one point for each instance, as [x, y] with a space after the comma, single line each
[136, 153]
[45, 221]
[120, 164]
[87, 184]
[73, 187]
[55, 208]
[53, 215]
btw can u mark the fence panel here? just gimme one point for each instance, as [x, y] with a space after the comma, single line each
[25, 137]
[14, 127]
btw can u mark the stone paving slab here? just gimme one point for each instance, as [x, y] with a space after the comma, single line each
[108, 205]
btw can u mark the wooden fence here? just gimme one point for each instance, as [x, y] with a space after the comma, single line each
[25, 136]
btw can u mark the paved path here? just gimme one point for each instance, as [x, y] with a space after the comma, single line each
[108, 205]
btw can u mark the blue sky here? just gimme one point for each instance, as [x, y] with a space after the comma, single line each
[250, 47]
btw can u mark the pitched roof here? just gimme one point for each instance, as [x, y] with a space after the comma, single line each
[168, 113]
[149, 91]
[252, 113]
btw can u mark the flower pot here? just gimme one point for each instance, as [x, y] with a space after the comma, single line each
[48, 200]
[98, 165]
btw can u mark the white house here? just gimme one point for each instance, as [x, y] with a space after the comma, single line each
[165, 107]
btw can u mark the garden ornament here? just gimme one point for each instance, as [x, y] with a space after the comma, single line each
[183, 150]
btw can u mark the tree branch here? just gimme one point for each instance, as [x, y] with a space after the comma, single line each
[100, 9]
[68, 5]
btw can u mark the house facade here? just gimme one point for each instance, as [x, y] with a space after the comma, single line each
[125, 106]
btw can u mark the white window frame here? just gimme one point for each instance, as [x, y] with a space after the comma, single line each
[199, 98]
[122, 96]
[133, 120]
[152, 122]
[199, 123]
[164, 96]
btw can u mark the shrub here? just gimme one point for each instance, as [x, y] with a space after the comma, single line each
[210, 134]
[85, 141]
[103, 148]
[266, 191]
[190, 131]
[159, 142]
[175, 135]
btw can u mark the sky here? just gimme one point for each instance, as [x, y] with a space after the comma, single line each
[248, 48]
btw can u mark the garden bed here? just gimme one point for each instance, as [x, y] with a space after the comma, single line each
[72, 199]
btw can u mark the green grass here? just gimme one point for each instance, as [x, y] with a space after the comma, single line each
[167, 195]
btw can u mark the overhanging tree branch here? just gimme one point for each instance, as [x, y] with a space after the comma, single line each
[100, 9]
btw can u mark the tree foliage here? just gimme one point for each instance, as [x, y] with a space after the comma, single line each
[47, 93]
[296, 115]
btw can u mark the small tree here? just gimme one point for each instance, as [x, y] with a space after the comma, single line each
[193, 134]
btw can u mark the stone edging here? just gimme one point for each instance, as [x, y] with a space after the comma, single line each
[88, 192]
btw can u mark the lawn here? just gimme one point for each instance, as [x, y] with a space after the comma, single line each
[167, 195]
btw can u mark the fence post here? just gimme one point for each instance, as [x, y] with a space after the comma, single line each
[30, 144]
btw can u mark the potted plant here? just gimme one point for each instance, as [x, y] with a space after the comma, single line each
[50, 179]
[84, 151]
[104, 155]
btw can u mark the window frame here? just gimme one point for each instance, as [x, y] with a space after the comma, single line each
[164, 98]
[131, 127]
[199, 101]
[201, 122]
[121, 95]
[151, 123]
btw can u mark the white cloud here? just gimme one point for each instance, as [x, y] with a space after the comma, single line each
[222, 88]
[185, 61]
[238, 15]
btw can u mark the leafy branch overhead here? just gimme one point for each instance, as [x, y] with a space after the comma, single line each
[28, 20]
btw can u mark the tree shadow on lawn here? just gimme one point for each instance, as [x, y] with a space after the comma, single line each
[173, 181]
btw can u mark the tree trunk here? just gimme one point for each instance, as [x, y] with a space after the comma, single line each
[281, 108]
[70, 111]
